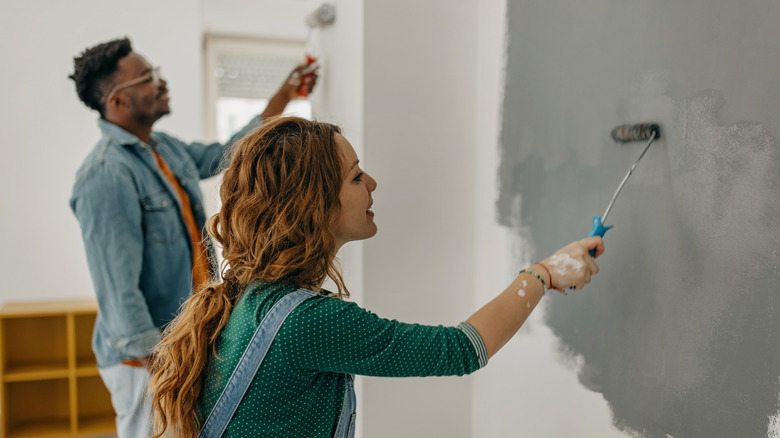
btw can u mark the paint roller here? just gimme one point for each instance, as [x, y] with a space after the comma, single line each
[324, 15]
[625, 134]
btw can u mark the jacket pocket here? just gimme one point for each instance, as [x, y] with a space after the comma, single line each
[161, 220]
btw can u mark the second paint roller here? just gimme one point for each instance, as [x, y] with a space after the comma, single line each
[624, 134]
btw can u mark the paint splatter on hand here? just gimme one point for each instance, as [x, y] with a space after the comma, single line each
[572, 266]
[564, 264]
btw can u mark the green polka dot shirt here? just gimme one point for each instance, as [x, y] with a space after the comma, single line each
[299, 389]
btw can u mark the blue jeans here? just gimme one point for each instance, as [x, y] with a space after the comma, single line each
[127, 386]
[346, 425]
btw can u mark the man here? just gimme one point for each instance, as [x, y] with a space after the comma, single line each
[141, 214]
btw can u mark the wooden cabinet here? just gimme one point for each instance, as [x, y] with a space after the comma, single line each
[50, 383]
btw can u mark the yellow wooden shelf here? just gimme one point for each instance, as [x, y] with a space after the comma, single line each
[49, 380]
[87, 371]
[35, 371]
[27, 309]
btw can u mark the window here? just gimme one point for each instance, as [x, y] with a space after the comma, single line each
[242, 74]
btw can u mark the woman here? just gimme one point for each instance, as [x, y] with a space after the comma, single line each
[292, 195]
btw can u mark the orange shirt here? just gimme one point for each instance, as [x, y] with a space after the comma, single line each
[201, 268]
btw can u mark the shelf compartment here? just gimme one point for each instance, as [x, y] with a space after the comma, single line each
[95, 412]
[35, 343]
[38, 408]
[49, 381]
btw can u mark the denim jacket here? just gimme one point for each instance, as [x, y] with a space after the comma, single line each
[138, 249]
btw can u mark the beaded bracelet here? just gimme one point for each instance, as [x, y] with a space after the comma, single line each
[528, 271]
[548, 273]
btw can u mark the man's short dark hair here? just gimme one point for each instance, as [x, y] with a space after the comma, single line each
[94, 68]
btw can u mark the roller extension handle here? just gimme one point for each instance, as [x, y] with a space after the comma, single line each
[625, 134]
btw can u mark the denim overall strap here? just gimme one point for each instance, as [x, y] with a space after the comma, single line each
[248, 365]
[346, 426]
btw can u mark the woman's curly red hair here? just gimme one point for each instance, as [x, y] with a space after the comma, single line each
[278, 194]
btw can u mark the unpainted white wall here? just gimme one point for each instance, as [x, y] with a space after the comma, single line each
[271, 19]
[47, 131]
[419, 91]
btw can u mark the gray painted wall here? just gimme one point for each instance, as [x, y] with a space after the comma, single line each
[680, 332]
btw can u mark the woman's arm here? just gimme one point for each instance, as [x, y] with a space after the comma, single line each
[328, 334]
[570, 266]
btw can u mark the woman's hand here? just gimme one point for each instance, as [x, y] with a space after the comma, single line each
[571, 266]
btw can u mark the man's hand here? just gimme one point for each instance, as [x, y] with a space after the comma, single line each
[302, 80]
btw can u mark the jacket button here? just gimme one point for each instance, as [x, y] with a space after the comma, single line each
[165, 203]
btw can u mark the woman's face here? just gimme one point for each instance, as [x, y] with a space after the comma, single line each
[354, 220]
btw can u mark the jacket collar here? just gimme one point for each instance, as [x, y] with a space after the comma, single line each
[114, 132]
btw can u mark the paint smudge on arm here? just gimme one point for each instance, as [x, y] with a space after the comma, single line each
[521, 291]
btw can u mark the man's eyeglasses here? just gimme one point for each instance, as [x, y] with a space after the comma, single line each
[153, 75]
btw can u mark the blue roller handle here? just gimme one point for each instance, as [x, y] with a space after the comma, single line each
[598, 229]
